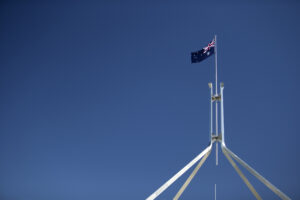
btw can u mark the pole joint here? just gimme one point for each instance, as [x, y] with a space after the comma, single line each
[216, 138]
[216, 98]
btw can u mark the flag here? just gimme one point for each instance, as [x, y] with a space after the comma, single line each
[207, 51]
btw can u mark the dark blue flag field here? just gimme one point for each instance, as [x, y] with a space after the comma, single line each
[207, 51]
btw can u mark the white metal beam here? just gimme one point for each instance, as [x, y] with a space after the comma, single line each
[222, 115]
[243, 177]
[258, 176]
[190, 178]
[178, 174]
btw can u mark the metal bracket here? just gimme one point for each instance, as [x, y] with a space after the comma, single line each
[216, 98]
[216, 137]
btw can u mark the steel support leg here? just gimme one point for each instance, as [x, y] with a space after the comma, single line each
[251, 188]
[258, 176]
[189, 179]
[178, 174]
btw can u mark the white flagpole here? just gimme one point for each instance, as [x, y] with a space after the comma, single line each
[216, 64]
[216, 94]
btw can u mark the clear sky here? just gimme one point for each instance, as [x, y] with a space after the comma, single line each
[99, 100]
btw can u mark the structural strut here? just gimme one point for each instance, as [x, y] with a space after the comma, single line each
[217, 137]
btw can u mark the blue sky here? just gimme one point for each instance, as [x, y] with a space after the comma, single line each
[99, 99]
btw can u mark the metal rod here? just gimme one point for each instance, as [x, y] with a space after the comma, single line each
[216, 64]
[240, 173]
[215, 191]
[178, 174]
[189, 179]
[258, 176]
[216, 94]
[217, 158]
[211, 109]
[216, 102]
[222, 115]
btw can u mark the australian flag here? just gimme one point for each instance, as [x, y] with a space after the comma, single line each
[207, 51]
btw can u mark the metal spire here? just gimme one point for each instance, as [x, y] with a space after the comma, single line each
[216, 138]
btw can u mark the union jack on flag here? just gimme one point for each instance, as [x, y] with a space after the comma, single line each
[207, 51]
[210, 45]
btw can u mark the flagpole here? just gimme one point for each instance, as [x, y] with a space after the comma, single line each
[216, 71]
[216, 64]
